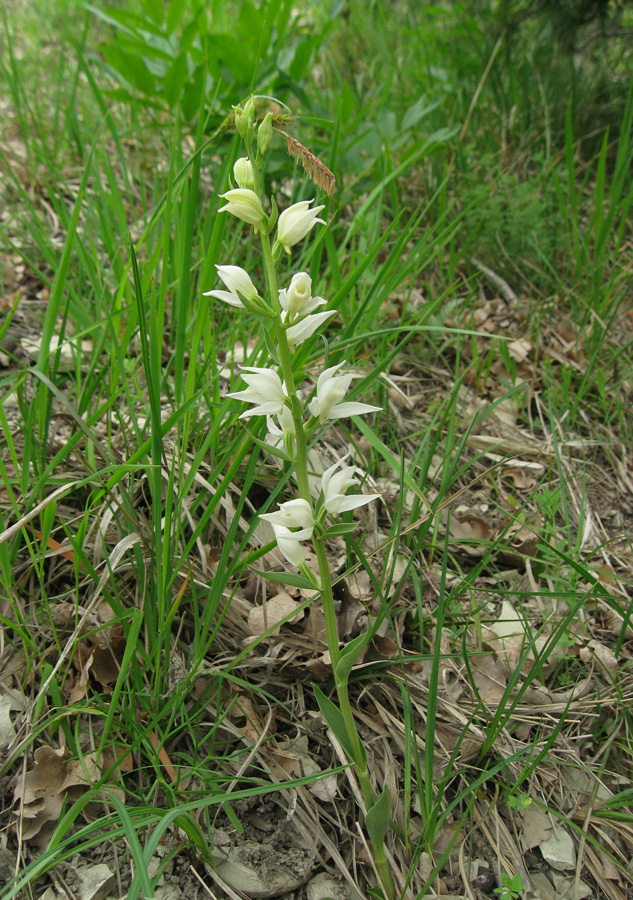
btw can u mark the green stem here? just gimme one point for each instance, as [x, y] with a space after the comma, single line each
[327, 598]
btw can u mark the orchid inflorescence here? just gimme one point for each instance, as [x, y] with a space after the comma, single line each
[293, 316]
[294, 313]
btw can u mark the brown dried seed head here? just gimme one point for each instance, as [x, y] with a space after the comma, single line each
[317, 171]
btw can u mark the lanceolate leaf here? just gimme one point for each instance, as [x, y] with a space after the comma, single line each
[349, 655]
[334, 718]
[378, 819]
[286, 578]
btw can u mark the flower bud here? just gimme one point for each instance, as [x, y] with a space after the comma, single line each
[249, 109]
[241, 121]
[243, 173]
[265, 134]
[244, 204]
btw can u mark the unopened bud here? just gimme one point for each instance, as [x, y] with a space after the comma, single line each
[243, 173]
[249, 109]
[241, 121]
[265, 134]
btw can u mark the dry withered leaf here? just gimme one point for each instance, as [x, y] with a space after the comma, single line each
[261, 618]
[246, 719]
[535, 825]
[293, 757]
[490, 674]
[519, 350]
[350, 608]
[53, 781]
[102, 657]
[467, 526]
[524, 478]
[7, 731]
[603, 656]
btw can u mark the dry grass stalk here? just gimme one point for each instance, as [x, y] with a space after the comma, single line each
[316, 170]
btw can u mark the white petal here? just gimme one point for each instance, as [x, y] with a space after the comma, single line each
[244, 204]
[295, 222]
[342, 410]
[303, 330]
[327, 475]
[327, 374]
[354, 501]
[289, 546]
[238, 281]
[225, 297]
[293, 514]
[265, 409]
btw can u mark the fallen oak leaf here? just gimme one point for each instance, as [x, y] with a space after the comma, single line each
[53, 781]
[261, 618]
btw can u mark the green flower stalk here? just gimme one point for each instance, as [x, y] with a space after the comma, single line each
[272, 392]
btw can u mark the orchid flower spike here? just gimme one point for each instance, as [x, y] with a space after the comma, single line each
[243, 173]
[331, 389]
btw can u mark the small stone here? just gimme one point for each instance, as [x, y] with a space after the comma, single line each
[152, 869]
[558, 850]
[96, 882]
[168, 892]
[543, 887]
[566, 887]
[49, 894]
[324, 886]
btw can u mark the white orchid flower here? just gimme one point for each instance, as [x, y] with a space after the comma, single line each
[331, 389]
[295, 222]
[296, 334]
[239, 285]
[243, 173]
[293, 514]
[289, 545]
[334, 485]
[265, 390]
[298, 300]
[245, 205]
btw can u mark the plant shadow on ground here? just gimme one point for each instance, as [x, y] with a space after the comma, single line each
[156, 710]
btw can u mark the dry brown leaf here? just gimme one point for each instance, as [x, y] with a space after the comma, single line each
[247, 720]
[490, 675]
[524, 479]
[272, 611]
[295, 759]
[53, 781]
[119, 756]
[102, 656]
[604, 656]
[7, 731]
[535, 825]
[351, 608]
[507, 635]
[468, 526]
[519, 350]
[321, 666]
